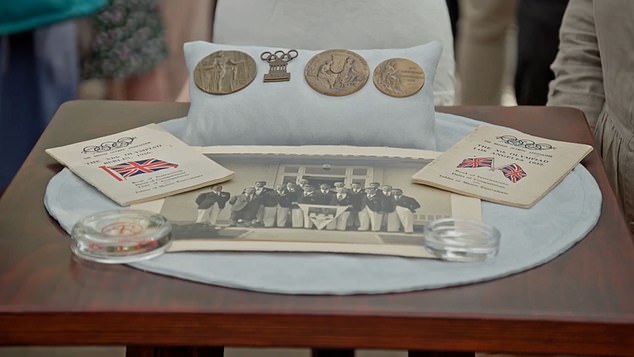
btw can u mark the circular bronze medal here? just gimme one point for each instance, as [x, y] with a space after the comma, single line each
[336, 72]
[399, 77]
[224, 72]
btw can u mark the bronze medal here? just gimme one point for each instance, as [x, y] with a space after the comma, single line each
[336, 72]
[399, 77]
[224, 72]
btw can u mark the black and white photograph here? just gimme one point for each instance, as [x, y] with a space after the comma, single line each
[313, 198]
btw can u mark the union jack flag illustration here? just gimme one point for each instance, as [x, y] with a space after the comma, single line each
[132, 168]
[513, 172]
[474, 162]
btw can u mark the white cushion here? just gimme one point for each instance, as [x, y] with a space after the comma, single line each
[292, 113]
[361, 24]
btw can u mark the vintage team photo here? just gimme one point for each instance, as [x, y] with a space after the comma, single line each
[307, 200]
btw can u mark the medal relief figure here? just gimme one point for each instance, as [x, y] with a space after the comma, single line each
[336, 72]
[399, 77]
[325, 74]
[224, 72]
[339, 73]
[389, 77]
[348, 76]
[217, 72]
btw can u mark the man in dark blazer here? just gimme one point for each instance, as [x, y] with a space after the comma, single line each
[341, 198]
[268, 204]
[210, 204]
[391, 222]
[375, 206]
[297, 215]
[284, 204]
[309, 197]
[358, 216]
[324, 194]
[405, 208]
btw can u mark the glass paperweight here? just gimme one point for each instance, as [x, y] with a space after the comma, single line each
[461, 240]
[121, 236]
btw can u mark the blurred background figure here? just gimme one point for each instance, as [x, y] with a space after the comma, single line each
[39, 70]
[481, 48]
[454, 14]
[538, 23]
[134, 49]
[184, 21]
[594, 72]
[126, 46]
[505, 48]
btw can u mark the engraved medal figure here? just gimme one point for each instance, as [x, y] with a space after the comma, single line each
[277, 62]
[336, 72]
[399, 77]
[224, 72]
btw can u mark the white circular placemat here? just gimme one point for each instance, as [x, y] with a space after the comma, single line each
[530, 237]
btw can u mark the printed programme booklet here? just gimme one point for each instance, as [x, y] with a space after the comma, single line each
[141, 164]
[503, 165]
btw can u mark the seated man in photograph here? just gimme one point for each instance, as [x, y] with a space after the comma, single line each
[244, 207]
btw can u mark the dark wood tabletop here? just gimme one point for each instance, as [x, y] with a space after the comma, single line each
[582, 302]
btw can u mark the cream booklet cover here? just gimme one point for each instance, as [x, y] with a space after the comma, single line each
[503, 165]
[140, 164]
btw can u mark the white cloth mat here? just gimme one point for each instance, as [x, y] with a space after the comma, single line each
[530, 237]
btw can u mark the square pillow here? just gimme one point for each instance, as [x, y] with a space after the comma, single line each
[293, 113]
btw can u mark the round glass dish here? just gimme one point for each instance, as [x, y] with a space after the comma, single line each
[461, 240]
[121, 236]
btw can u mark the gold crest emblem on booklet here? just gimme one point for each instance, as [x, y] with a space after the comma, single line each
[224, 72]
[336, 72]
[399, 77]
